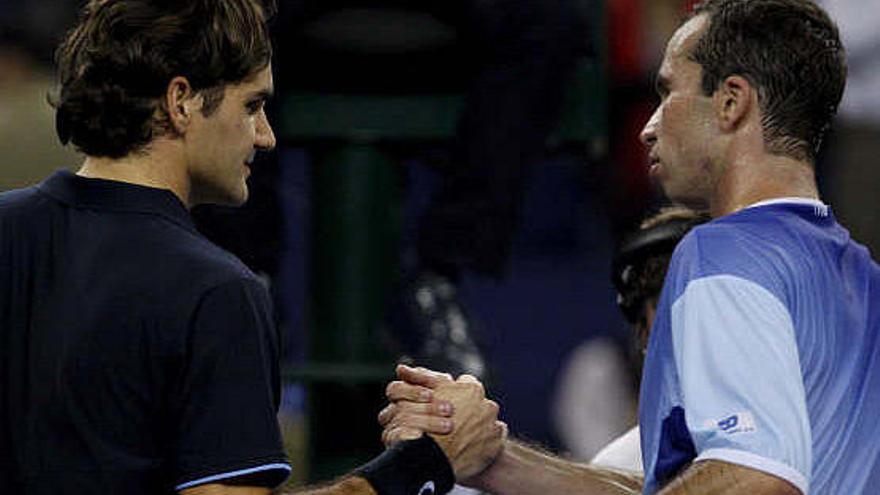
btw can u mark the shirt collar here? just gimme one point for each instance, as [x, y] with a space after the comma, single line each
[789, 200]
[110, 195]
[819, 208]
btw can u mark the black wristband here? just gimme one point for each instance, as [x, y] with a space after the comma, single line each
[410, 467]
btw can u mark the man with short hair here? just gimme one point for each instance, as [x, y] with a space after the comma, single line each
[135, 356]
[761, 375]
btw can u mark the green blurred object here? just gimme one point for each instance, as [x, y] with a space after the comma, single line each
[356, 211]
[356, 231]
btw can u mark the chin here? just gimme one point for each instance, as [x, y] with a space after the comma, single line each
[229, 197]
[238, 199]
[235, 193]
[228, 191]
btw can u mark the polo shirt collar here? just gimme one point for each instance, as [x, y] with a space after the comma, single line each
[111, 195]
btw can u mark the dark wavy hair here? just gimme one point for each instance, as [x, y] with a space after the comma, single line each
[790, 50]
[114, 66]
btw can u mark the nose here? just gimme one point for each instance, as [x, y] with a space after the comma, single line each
[265, 138]
[648, 136]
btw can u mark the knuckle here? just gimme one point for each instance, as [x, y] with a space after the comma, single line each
[391, 388]
[392, 435]
[386, 414]
[471, 387]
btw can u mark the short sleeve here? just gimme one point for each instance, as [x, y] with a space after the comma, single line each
[228, 396]
[741, 381]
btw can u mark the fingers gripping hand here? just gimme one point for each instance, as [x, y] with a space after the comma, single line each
[393, 413]
[422, 376]
[478, 436]
[415, 385]
[392, 435]
[413, 408]
[400, 419]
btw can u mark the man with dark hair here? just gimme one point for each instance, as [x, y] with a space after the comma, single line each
[135, 356]
[640, 265]
[761, 373]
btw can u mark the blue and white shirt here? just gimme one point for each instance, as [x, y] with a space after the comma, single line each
[765, 352]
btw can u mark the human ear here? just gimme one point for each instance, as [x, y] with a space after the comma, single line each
[180, 103]
[734, 100]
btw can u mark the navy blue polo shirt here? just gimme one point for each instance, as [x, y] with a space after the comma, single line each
[135, 356]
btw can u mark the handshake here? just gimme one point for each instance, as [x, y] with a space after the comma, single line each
[455, 413]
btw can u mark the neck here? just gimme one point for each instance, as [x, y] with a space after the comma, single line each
[151, 168]
[751, 179]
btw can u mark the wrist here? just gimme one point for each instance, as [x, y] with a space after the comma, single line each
[491, 478]
[410, 467]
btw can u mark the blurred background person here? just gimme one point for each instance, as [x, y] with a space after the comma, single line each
[599, 368]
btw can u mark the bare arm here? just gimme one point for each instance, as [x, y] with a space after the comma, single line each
[221, 489]
[527, 471]
[722, 478]
[352, 485]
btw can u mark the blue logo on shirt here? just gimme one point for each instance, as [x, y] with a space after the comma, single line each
[741, 422]
[729, 423]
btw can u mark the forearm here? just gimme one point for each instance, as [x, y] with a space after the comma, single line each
[720, 478]
[352, 485]
[526, 471]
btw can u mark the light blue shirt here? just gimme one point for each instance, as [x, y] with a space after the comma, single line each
[765, 353]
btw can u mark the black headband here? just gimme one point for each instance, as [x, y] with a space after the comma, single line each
[640, 245]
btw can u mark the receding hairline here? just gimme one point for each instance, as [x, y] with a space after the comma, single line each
[688, 35]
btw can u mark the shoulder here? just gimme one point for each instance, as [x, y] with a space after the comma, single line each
[749, 247]
[216, 262]
[176, 266]
[26, 217]
[20, 202]
[725, 241]
[180, 253]
[210, 273]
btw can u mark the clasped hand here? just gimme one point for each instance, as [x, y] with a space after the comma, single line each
[456, 413]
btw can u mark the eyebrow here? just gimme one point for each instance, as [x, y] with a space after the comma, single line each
[263, 94]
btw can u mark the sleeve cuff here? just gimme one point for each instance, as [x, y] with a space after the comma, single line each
[277, 471]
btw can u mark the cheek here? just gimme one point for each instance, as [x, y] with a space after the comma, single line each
[248, 127]
[686, 126]
[669, 129]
